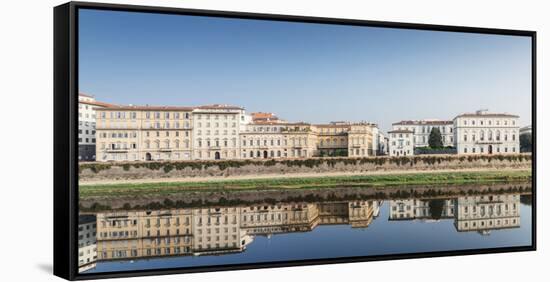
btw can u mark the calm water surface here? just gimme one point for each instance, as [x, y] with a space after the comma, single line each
[217, 235]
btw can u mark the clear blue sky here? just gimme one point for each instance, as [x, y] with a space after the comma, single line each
[301, 71]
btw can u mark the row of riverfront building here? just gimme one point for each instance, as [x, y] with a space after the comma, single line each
[109, 132]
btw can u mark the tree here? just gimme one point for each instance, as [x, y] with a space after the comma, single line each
[435, 138]
[525, 142]
[436, 208]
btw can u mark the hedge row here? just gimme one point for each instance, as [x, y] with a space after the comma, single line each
[310, 163]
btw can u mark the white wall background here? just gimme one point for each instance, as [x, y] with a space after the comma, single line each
[27, 125]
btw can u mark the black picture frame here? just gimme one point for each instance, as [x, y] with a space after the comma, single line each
[66, 128]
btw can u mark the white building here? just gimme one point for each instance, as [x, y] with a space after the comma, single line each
[423, 128]
[486, 133]
[87, 126]
[383, 142]
[216, 131]
[401, 143]
[264, 140]
[486, 213]
[412, 209]
[87, 242]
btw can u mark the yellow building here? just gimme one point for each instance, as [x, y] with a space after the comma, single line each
[130, 133]
[212, 132]
[361, 140]
[332, 139]
[302, 140]
[217, 231]
[139, 234]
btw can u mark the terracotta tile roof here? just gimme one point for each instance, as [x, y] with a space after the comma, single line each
[85, 95]
[269, 122]
[146, 108]
[325, 125]
[97, 103]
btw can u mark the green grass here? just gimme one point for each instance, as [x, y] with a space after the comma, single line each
[441, 178]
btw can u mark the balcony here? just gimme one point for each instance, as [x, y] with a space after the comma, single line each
[488, 142]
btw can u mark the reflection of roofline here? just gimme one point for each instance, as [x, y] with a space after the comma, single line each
[86, 218]
[200, 252]
[145, 257]
[483, 229]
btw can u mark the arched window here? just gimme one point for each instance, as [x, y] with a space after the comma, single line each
[167, 144]
[490, 135]
[482, 135]
[498, 135]
[251, 154]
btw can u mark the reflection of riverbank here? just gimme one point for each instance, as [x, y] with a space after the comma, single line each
[225, 198]
[124, 235]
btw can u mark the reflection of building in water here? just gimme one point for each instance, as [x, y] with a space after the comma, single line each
[485, 213]
[282, 218]
[356, 213]
[409, 209]
[217, 231]
[361, 213]
[87, 247]
[144, 233]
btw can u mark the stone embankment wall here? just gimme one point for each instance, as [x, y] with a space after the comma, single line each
[225, 168]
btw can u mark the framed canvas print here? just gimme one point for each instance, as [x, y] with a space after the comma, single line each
[192, 140]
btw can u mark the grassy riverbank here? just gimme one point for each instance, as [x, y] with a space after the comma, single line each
[435, 178]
